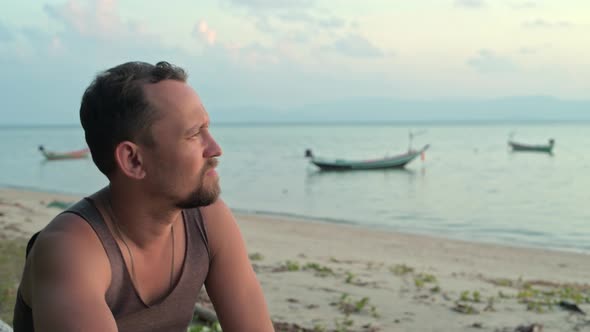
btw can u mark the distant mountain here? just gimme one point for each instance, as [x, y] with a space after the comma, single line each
[529, 108]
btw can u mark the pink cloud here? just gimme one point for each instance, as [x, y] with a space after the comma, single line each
[94, 18]
[205, 33]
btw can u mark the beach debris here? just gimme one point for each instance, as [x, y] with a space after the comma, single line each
[370, 328]
[477, 325]
[421, 279]
[256, 256]
[201, 313]
[465, 309]
[347, 305]
[203, 310]
[571, 307]
[543, 295]
[292, 327]
[287, 266]
[529, 328]
[523, 328]
[490, 305]
[59, 204]
[320, 270]
[401, 269]
[467, 296]
[352, 279]
[5, 327]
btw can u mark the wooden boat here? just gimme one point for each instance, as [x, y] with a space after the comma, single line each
[547, 148]
[77, 154]
[398, 161]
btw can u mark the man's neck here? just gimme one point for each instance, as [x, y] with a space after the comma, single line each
[143, 220]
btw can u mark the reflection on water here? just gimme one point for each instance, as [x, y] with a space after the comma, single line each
[358, 179]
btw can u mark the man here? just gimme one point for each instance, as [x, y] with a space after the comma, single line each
[134, 255]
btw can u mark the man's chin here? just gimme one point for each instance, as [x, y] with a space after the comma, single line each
[200, 199]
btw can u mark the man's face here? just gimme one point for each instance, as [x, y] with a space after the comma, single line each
[181, 165]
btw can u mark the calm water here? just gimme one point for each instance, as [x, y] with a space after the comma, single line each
[469, 187]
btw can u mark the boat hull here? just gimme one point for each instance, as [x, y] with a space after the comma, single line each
[80, 154]
[531, 148]
[385, 163]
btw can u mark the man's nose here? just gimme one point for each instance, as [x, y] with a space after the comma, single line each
[213, 149]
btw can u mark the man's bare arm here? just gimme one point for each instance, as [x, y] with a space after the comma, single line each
[70, 274]
[232, 284]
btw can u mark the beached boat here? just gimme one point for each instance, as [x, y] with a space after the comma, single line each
[547, 148]
[77, 154]
[398, 161]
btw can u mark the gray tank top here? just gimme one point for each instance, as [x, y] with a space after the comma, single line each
[172, 313]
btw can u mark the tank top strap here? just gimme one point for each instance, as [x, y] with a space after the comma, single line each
[197, 227]
[87, 210]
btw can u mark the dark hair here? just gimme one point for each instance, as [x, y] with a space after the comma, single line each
[114, 108]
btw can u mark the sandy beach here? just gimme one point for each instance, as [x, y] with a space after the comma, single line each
[328, 277]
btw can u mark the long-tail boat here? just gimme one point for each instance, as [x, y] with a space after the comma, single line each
[398, 161]
[52, 155]
[547, 148]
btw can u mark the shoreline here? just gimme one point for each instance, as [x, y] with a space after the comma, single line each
[334, 277]
[293, 217]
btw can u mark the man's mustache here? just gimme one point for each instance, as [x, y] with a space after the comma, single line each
[211, 163]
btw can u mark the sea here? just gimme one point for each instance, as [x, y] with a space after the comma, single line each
[468, 186]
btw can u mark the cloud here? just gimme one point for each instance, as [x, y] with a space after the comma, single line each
[524, 5]
[528, 50]
[204, 32]
[84, 39]
[541, 23]
[356, 46]
[486, 61]
[95, 19]
[295, 21]
[474, 4]
[271, 4]
[307, 18]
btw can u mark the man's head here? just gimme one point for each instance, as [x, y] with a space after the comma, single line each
[138, 120]
[114, 108]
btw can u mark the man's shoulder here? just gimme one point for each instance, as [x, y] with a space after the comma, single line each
[217, 209]
[66, 232]
[69, 234]
[67, 223]
[64, 248]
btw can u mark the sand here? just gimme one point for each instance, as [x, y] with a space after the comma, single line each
[329, 277]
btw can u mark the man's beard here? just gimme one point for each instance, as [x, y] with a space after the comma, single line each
[203, 195]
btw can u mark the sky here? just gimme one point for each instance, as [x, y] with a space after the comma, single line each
[280, 55]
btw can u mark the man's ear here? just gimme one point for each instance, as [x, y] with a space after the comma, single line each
[128, 157]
